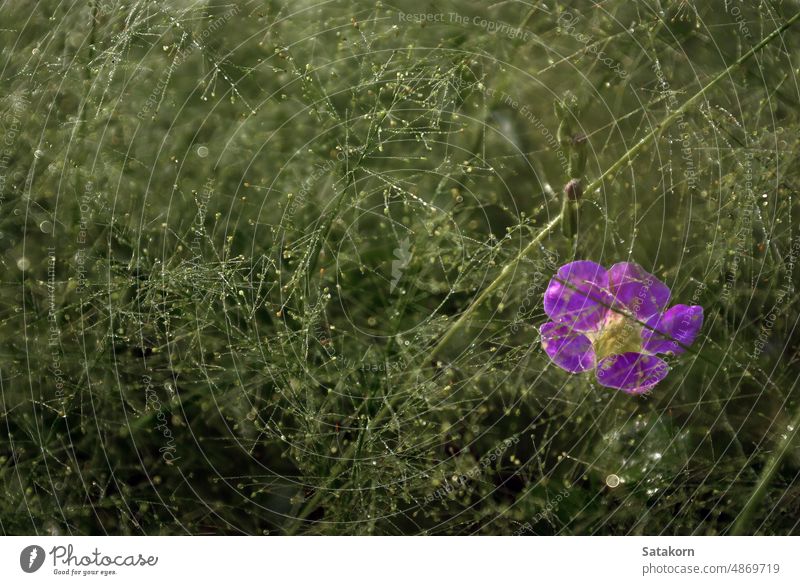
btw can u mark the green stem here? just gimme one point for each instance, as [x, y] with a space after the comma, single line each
[753, 503]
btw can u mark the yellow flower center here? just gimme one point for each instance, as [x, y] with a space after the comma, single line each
[618, 334]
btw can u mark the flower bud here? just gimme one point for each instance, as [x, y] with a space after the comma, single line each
[573, 190]
[569, 218]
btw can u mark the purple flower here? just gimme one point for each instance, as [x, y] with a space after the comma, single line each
[615, 321]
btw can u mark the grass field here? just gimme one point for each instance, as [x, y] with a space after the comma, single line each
[278, 267]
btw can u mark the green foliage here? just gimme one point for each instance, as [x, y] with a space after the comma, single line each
[234, 232]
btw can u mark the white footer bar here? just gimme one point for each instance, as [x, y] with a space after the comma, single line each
[400, 560]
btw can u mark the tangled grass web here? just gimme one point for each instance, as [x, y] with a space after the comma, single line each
[235, 232]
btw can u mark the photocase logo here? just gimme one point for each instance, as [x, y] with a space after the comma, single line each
[402, 258]
[31, 558]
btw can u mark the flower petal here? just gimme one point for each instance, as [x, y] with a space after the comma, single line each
[637, 290]
[576, 303]
[634, 373]
[570, 350]
[681, 323]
